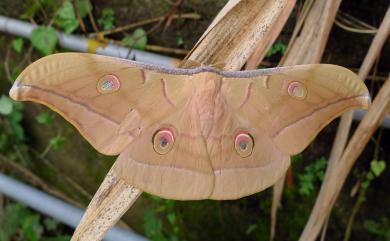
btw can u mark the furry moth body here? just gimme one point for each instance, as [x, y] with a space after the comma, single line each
[197, 133]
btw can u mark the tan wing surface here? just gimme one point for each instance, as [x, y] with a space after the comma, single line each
[294, 103]
[68, 84]
[183, 173]
[237, 176]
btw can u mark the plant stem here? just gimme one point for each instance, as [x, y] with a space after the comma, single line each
[355, 209]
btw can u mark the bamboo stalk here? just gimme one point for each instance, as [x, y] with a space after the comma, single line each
[320, 210]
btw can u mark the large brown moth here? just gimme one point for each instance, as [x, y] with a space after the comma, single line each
[199, 133]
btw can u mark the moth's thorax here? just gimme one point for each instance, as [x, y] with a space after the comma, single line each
[207, 91]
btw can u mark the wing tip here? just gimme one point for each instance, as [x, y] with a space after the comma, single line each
[366, 101]
[14, 92]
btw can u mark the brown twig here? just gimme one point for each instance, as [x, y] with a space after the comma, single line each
[93, 22]
[166, 50]
[41, 9]
[321, 211]
[79, 18]
[349, 23]
[169, 16]
[194, 16]
[53, 18]
[47, 162]
[35, 180]
[6, 66]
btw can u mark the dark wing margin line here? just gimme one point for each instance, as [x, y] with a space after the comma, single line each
[106, 117]
[316, 110]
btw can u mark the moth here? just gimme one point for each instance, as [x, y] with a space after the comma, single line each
[187, 134]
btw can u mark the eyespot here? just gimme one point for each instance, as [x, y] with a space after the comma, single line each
[163, 141]
[108, 84]
[297, 90]
[244, 144]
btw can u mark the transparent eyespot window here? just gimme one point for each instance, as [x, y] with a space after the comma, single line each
[108, 84]
[297, 90]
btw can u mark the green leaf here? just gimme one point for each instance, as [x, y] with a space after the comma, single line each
[250, 229]
[17, 45]
[171, 218]
[137, 40]
[377, 167]
[278, 47]
[179, 39]
[44, 39]
[66, 18]
[312, 174]
[32, 229]
[15, 213]
[297, 157]
[16, 115]
[57, 142]
[31, 10]
[18, 131]
[84, 7]
[3, 141]
[153, 226]
[45, 118]
[107, 19]
[6, 105]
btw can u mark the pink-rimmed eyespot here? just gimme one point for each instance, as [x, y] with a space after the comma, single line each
[108, 84]
[297, 90]
[243, 143]
[163, 141]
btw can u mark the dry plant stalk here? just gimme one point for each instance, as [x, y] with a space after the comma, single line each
[238, 30]
[362, 135]
[307, 48]
[321, 211]
[114, 197]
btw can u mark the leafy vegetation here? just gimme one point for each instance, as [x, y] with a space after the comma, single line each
[106, 21]
[18, 223]
[136, 40]
[312, 175]
[66, 18]
[44, 39]
[381, 229]
[277, 48]
[154, 227]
